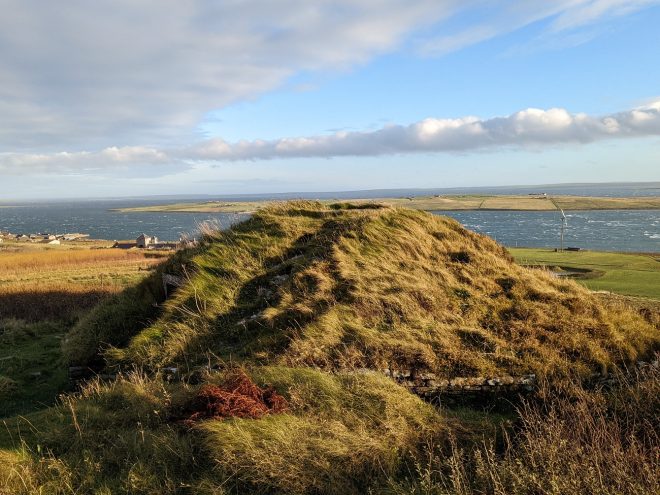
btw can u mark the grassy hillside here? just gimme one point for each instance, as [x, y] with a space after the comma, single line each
[380, 288]
[44, 290]
[263, 373]
[622, 273]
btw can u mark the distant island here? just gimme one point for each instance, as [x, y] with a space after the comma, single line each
[526, 202]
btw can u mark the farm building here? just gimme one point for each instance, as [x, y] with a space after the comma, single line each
[144, 241]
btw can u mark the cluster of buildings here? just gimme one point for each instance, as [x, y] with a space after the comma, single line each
[145, 241]
[40, 237]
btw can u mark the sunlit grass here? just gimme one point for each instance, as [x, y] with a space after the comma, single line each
[622, 273]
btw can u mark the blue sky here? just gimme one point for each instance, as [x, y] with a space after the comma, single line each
[614, 71]
[127, 98]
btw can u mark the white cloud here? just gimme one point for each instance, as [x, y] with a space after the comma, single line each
[527, 128]
[585, 12]
[82, 161]
[530, 127]
[78, 75]
[92, 74]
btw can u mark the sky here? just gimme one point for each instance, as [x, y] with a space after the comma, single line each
[149, 97]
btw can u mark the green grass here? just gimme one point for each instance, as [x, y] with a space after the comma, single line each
[316, 302]
[621, 273]
[44, 290]
[300, 284]
[343, 433]
[30, 365]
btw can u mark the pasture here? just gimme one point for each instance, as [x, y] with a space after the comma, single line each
[620, 273]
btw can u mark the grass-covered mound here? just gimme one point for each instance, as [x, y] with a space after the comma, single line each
[300, 284]
[341, 434]
[313, 303]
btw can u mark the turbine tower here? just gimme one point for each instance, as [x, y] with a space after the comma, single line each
[564, 223]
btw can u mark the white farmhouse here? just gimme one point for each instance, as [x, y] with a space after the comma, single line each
[144, 241]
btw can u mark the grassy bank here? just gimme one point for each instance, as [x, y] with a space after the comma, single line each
[44, 290]
[621, 273]
[265, 372]
[429, 203]
[57, 282]
[32, 372]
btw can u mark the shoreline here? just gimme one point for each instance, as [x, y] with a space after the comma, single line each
[432, 203]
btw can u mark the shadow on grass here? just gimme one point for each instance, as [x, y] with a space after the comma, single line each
[34, 306]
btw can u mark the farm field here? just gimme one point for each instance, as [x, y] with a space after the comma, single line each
[43, 292]
[56, 282]
[448, 202]
[620, 273]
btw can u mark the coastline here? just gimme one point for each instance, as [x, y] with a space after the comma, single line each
[434, 203]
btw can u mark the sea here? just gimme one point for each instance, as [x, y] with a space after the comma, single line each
[608, 230]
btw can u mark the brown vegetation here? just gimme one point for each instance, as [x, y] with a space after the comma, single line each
[567, 441]
[63, 283]
[237, 397]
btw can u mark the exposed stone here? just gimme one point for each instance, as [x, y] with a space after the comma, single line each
[279, 279]
[249, 319]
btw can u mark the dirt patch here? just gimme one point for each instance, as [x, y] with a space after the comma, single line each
[238, 397]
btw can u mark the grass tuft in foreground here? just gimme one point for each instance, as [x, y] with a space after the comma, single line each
[342, 434]
[575, 443]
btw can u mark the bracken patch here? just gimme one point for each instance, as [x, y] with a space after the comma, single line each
[238, 397]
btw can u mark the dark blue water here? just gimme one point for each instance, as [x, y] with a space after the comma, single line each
[606, 230]
[614, 230]
[97, 219]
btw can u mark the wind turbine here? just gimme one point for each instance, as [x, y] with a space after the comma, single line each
[564, 224]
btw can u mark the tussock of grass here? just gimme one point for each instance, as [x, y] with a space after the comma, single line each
[303, 285]
[112, 437]
[7, 386]
[113, 321]
[575, 443]
[344, 433]
[341, 433]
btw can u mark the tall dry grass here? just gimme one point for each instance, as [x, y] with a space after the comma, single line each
[62, 284]
[17, 262]
[572, 442]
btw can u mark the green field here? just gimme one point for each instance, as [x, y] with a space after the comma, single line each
[31, 370]
[448, 202]
[44, 289]
[621, 273]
